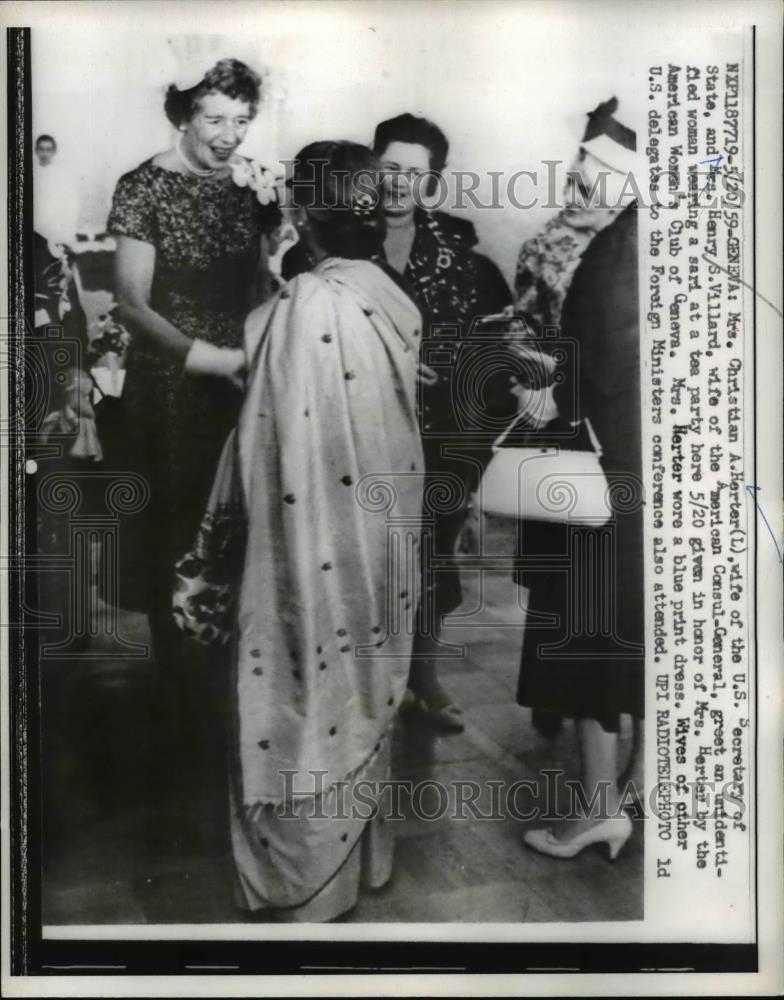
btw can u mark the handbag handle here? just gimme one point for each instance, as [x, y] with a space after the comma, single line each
[100, 391]
[507, 431]
[575, 423]
[592, 435]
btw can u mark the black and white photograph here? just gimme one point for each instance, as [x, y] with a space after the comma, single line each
[390, 430]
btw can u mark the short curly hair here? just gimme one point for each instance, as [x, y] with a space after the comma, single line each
[228, 76]
[338, 183]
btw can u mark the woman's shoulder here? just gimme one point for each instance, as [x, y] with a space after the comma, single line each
[298, 307]
[140, 175]
[134, 204]
[153, 176]
[299, 291]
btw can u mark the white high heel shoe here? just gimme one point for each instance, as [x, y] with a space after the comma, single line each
[614, 831]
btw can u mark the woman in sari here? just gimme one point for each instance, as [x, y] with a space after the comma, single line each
[328, 466]
[453, 284]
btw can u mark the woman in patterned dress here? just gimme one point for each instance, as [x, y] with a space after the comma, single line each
[188, 269]
[454, 285]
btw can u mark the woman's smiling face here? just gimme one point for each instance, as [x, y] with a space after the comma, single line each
[403, 163]
[218, 126]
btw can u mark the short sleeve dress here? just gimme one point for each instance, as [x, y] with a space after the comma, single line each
[207, 238]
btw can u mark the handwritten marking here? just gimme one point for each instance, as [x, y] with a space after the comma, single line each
[734, 277]
[712, 174]
[753, 491]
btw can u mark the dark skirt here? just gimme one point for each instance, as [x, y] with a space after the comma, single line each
[441, 591]
[448, 485]
[583, 653]
[170, 433]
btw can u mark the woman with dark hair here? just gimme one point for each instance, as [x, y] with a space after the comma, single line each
[322, 485]
[188, 269]
[454, 285]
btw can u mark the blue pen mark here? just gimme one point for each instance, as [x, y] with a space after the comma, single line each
[753, 491]
[716, 160]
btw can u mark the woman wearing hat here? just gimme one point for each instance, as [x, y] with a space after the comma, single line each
[583, 653]
[547, 261]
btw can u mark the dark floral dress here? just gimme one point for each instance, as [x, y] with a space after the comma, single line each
[454, 285]
[207, 238]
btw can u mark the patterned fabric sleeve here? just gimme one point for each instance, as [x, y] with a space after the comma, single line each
[133, 211]
[528, 286]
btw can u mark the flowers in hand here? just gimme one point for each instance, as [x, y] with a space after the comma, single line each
[249, 173]
[111, 337]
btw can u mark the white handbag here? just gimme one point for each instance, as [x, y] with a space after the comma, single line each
[546, 484]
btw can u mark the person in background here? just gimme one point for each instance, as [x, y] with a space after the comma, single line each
[59, 387]
[327, 439]
[570, 667]
[546, 266]
[190, 234]
[455, 285]
[55, 200]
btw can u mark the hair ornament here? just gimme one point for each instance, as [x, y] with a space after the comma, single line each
[363, 204]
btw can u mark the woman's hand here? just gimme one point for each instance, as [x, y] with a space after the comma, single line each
[224, 362]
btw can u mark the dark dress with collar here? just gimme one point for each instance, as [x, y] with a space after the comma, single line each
[583, 652]
[456, 286]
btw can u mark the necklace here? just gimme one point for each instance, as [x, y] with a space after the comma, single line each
[198, 171]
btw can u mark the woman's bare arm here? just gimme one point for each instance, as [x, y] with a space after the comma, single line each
[134, 268]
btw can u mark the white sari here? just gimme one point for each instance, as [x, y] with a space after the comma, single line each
[329, 462]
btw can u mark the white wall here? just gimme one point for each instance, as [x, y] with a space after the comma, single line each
[508, 83]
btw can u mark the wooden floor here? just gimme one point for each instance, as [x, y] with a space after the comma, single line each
[136, 832]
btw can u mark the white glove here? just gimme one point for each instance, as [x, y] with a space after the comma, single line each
[538, 405]
[208, 359]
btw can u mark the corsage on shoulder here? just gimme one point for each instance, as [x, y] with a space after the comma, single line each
[250, 173]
